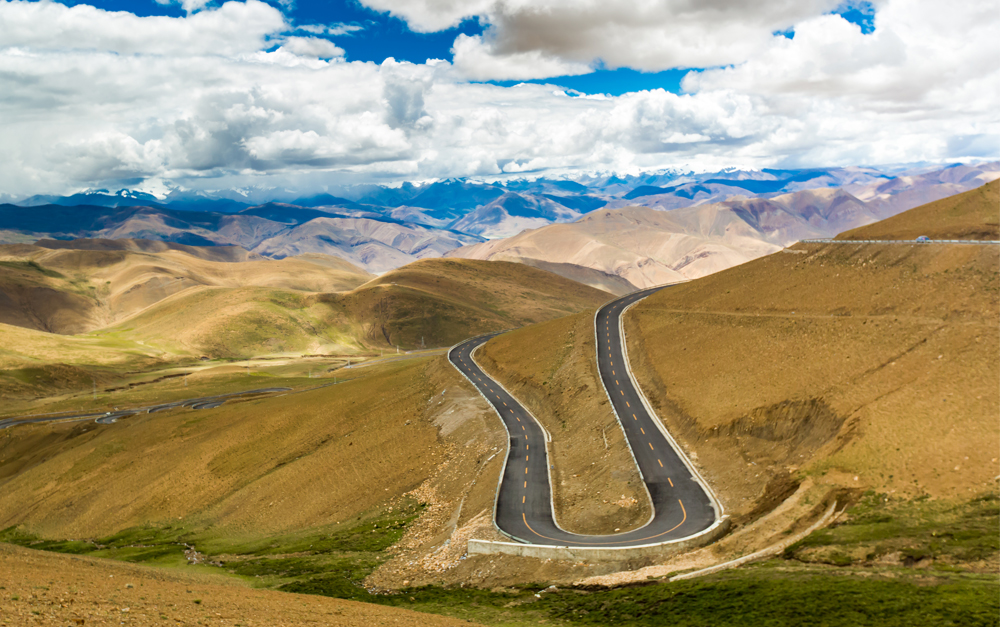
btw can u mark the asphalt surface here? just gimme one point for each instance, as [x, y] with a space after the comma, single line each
[681, 507]
[981, 242]
[104, 418]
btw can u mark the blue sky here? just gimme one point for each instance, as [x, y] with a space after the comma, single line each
[248, 94]
[381, 36]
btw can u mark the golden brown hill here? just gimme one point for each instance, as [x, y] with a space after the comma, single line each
[443, 301]
[270, 472]
[74, 290]
[974, 214]
[429, 303]
[874, 362]
[820, 362]
[56, 590]
[209, 253]
[311, 459]
[239, 323]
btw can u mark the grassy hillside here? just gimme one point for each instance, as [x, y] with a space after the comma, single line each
[239, 322]
[35, 364]
[352, 447]
[182, 303]
[74, 290]
[234, 315]
[445, 301]
[809, 367]
[818, 373]
[437, 302]
[974, 214]
[872, 365]
[33, 580]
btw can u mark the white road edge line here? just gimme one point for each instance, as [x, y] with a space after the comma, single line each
[719, 520]
[503, 469]
[716, 504]
[597, 364]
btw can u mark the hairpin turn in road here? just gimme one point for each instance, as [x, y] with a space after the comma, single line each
[682, 506]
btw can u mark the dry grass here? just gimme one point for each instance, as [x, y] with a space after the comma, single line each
[974, 214]
[39, 588]
[444, 301]
[311, 463]
[551, 368]
[240, 322]
[73, 291]
[20, 348]
[243, 467]
[872, 361]
[430, 303]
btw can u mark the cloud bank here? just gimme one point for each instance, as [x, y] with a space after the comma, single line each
[236, 95]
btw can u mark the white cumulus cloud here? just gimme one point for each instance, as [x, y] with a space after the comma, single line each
[531, 38]
[477, 60]
[236, 96]
[233, 28]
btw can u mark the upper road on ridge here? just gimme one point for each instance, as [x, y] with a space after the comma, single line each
[681, 506]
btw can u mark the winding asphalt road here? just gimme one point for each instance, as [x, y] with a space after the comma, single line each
[681, 506]
[204, 402]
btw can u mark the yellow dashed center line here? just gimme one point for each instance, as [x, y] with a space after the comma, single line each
[522, 498]
[627, 405]
[661, 466]
[633, 417]
[650, 445]
[671, 482]
[622, 393]
[643, 430]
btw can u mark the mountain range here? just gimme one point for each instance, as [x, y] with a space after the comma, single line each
[709, 220]
[648, 245]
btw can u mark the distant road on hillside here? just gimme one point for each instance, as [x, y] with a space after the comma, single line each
[204, 402]
[682, 505]
[900, 241]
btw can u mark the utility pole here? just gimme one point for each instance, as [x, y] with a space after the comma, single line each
[95, 389]
[421, 341]
[397, 349]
